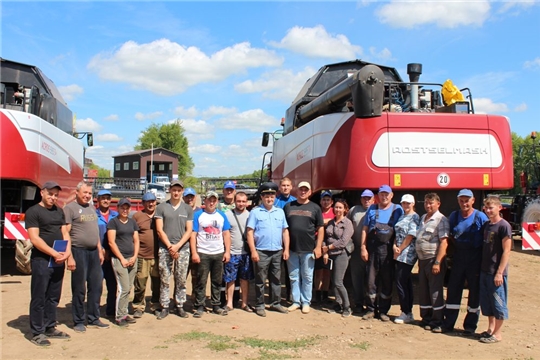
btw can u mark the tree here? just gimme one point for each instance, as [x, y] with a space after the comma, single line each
[102, 172]
[525, 159]
[171, 137]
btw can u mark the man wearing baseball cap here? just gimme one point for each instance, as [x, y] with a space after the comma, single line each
[376, 249]
[356, 264]
[46, 223]
[268, 239]
[229, 189]
[466, 239]
[106, 214]
[147, 265]
[174, 224]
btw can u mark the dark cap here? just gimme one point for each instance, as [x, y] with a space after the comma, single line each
[326, 193]
[177, 183]
[124, 201]
[51, 185]
[268, 188]
[149, 196]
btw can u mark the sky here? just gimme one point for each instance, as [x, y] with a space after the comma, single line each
[229, 70]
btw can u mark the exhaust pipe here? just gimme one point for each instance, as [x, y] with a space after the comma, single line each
[414, 70]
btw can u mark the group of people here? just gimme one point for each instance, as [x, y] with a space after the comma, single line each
[378, 241]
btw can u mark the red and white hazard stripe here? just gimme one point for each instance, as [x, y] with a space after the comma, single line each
[14, 230]
[530, 239]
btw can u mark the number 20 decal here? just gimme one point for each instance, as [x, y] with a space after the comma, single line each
[443, 179]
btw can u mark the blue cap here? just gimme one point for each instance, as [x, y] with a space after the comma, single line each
[104, 192]
[229, 185]
[465, 192]
[189, 191]
[367, 193]
[149, 196]
[385, 188]
[326, 193]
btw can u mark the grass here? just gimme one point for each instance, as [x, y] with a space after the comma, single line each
[161, 347]
[215, 342]
[267, 355]
[280, 344]
[364, 345]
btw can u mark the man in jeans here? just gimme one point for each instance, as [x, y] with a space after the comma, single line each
[147, 265]
[86, 259]
[174, 223]
[45, 223]
[306, 234]
[210, 248]
[268, 239]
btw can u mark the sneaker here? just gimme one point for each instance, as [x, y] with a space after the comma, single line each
[401, 319]
[80, 328]
[261, 312]
[293, 307]
[279, 309]
[384, 317]
[337, 308]
[305, 309]
[346, 312]
[368, 315]
[56, 334]
[138, 314]
[410, 320]
[437, 330]
[181, 312]
[121, 322]
[163, 314]
[199, 312]
[41, 340]
[98, 325]
[130, 320]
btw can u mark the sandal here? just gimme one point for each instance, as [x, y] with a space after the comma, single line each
[228, 309]
[489, 340]
[56, 334]
[247, 308]
[485, 334]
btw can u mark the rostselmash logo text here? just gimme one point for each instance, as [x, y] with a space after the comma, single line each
[48, 148]
[436, 150]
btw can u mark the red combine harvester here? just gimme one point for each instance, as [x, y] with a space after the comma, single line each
[37, 144]
[356, 125]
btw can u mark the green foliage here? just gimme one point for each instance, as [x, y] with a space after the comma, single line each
[280, 344]
[171, 137]
[524, 159]
[102, 172]
[215, 342]
[364, 345]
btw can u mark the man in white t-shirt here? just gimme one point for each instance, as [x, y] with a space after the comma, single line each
[210, 248]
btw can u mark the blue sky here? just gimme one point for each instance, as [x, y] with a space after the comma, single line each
[229, 70]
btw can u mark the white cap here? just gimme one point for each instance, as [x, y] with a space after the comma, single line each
[408, 198]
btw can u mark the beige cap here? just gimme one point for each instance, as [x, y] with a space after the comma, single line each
[304, 184]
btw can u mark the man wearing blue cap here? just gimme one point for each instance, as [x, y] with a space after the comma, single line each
[229, 190]
[376, 249]
[106, 214]
[466, 238]
[147, 266]
[356, 264]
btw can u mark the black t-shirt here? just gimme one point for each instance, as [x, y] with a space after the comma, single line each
[493, 248]
[49, 222]
[124, 235]
[303, 220]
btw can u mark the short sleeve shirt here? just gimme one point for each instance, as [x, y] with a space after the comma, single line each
[84, 225]
[210, 228]
[174, 221]
[493, 245]
[267, 227]
[407, 225]
[282, 200]
[147, 235]
[49, 222]
[303, 221]
[356, 215]
[237, 240]
[429, 235]
[467, 232]
[124, 235]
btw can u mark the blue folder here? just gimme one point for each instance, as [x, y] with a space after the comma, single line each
[60, 246]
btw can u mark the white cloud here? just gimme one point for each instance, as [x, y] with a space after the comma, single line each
[186, 113]
[516, 6]
[531, 64]
[150, 116]
[444, 14]
[205, 149]
[487, 106]
[109, 138]
[112, 117]
[278, 84]
[218, 110]
[102, 155]
[382, 55]
[316, 42]
[168, 68]
[193, 126]
[521, 107]
[234, 147]
[87, 124]
[210, 160]
[253, 120]
[70, 92]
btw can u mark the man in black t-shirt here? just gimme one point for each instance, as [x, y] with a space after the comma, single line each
[306, 235]
[45, 223]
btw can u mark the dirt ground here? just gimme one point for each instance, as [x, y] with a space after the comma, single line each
[241, 335]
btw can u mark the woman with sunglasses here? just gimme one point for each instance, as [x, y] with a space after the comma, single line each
[338, 234]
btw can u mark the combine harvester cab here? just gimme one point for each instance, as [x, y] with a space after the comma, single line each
[356, 125]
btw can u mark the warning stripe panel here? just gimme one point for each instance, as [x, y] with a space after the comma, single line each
[14, 230]
[530, 240]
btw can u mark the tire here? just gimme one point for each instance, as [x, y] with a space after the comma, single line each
[23, 251]
[532, 212]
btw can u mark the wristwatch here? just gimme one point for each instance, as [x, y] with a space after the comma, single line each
[437, 262]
